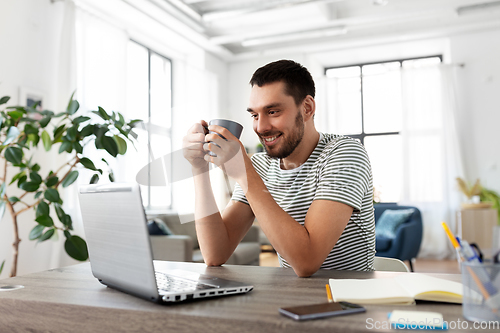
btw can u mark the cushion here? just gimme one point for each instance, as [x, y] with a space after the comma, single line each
[390, 220]
[157, 227]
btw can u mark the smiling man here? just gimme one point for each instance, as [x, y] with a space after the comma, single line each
[311, 192]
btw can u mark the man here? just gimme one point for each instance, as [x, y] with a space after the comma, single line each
[312, 193]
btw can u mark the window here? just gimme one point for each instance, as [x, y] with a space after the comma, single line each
[366, 104]
[149, 97]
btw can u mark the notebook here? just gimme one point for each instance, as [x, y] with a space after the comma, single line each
[120, 250]
[402, 289]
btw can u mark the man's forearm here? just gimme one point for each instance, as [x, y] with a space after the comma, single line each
[287, 236]
[211, 231]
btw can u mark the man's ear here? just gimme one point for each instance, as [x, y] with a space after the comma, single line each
[309, 105]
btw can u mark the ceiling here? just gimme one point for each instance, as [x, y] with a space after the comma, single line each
[249, 26]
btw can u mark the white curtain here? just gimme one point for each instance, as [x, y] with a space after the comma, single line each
[432, 158]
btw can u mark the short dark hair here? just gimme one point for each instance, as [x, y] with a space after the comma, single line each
[298, 81]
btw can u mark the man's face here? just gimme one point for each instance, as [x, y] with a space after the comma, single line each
[277, 121]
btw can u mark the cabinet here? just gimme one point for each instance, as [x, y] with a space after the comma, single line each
[476, 226]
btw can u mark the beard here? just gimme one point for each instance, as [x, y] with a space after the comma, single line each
[289, 141]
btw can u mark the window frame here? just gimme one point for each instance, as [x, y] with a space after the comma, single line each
[156, 129]
[361, 136]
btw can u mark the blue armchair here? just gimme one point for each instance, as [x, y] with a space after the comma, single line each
[406, 244]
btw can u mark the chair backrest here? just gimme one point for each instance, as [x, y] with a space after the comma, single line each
[389, 264]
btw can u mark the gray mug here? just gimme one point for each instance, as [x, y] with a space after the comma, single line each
[232, 126]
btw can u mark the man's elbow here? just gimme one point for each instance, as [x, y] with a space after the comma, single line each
[304, 271]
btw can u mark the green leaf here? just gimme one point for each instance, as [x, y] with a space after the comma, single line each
[122, 145]
[87, 163]
[52, 195]
[29, 186]
[72, 107]
[17, 176]
[47, 142]
[47, 235]
[71, 133]
[21, 180]
[12, 134]
[80, 119]
[3, 187]
[58, 132]
[104, 115]
[121, 120]
[16, 115]
[45, 121]
[35, 167]
[67, 222]
[51, 181]
[78, 147]
[76, 248]
[70, 179]
[60, 212]
[67, 234]
[3, 205]
[36, 232]
[42, 209]
[134, 122]
[14, 155]
[45, 220]
[1, 266]
[14, 199]
[110, 145]
[66, 146]
[87, 130]
[102, 159]
[34, 138]
[94, 179]
[4, 99]
[38, 194]
[111, 177]
[30, 129]
[35, 177]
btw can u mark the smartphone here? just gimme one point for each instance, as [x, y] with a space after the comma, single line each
[322, 310]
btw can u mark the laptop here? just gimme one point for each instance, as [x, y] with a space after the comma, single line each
[120, 250]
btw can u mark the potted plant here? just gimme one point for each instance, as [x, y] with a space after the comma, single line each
[22, 131]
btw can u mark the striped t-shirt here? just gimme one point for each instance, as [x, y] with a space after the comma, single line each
[338, 169]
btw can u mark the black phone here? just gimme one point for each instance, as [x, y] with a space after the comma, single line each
[322, 310]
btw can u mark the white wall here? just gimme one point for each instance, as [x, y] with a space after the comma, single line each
[479, 100]
[29, 36]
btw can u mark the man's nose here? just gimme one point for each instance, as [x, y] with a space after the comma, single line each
[262, 125]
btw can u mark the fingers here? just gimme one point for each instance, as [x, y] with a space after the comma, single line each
[198, 128]
[222, 131]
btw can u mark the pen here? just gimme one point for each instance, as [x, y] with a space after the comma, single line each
[329, 294]
[479, 283]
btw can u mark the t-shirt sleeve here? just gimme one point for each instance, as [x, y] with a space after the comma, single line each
[238, 194]
[345, 174]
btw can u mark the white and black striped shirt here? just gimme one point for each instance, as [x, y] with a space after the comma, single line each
[339, 170]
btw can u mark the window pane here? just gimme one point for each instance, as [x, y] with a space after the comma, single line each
[345, 117]
[382, 108]
[386, 157]
[137, 82]
[160, 91]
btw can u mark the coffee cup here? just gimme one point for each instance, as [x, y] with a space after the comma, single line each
[232, 126]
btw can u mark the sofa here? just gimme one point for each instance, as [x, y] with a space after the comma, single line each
[408, 235]
[181, 242]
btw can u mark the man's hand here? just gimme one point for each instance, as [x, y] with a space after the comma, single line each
[231, 155]
[192, 145]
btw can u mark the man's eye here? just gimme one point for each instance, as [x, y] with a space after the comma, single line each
[272, 112]
[253, 116]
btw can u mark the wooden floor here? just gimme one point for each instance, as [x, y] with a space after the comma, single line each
[270, 259]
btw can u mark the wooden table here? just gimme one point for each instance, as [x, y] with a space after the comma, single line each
[70, 299]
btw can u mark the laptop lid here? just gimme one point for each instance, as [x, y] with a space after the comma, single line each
[118, 240]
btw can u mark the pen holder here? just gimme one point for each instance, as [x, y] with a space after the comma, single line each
[481, 298]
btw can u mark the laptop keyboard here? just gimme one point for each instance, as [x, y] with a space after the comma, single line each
[167, 283]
